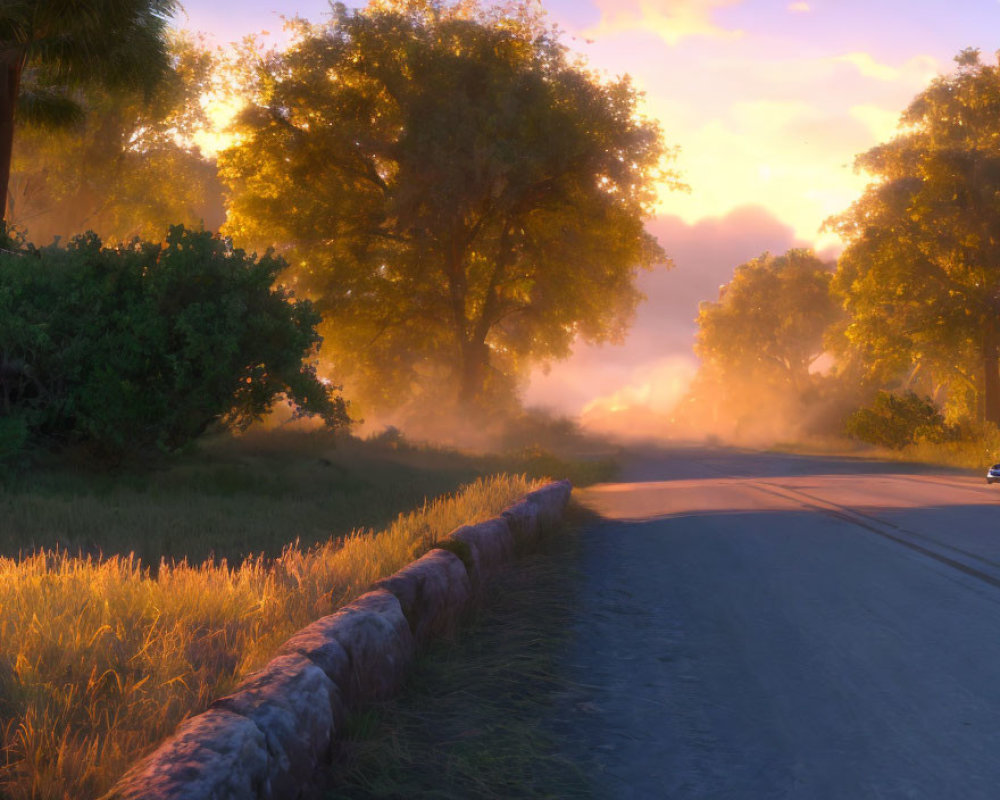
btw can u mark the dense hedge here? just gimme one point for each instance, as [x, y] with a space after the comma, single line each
[147, 344]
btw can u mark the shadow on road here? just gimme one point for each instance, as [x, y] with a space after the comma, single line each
[784, 651]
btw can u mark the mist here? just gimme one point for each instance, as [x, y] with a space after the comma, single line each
[650, 387]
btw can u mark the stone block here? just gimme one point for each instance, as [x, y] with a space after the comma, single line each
[522, 520]
[300, 711]
[432, 592]
[551, 502]
[218, 755]
[317, 643]
[491, 544]
[379, 644]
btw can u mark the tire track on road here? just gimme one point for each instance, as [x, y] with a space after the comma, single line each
[890, 531]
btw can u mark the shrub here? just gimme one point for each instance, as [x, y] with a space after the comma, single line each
[150, 344]
[897, 420]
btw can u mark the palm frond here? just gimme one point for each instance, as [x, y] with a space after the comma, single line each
[48, 108]
[113, 42]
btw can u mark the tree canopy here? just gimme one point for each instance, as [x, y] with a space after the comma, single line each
[758, 344]
[128, 168]
[921, 273]
[49, 47]
[458, 195]
[770, 319]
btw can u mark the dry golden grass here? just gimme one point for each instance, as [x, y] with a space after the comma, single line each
[100, 658]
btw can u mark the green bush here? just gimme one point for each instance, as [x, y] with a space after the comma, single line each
[148, 345]
[898, 420]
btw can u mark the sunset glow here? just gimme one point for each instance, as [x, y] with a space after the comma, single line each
[658, 338]
[768, 103]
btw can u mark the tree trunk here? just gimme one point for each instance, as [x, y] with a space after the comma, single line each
[475, 363]
[475, 351]
[10, 84]
[991, 379]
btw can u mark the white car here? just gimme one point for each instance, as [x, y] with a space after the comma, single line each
[993, 474]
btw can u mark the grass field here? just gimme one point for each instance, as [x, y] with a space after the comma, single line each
[102, 655]
[236, 497]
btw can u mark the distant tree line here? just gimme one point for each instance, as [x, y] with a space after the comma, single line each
[909, 317]
[457, 196]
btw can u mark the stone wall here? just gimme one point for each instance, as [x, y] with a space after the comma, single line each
[277, 732]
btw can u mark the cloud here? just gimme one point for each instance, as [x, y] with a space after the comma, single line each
[780, 130]
[793, 156]
[671, 20]
[883, 123]
[799, 8]
[917, 70]
[869, 67]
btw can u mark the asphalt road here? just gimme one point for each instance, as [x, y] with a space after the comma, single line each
[761, 626]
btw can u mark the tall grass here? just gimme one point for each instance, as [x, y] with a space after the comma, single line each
[100, 658]
[978, 452]
[969, 454]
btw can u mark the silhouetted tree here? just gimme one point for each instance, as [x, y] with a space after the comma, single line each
[49, 47]
[129, 168]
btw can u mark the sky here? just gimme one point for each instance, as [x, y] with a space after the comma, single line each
[768, 101]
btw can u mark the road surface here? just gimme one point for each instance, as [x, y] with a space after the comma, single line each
[766, 626]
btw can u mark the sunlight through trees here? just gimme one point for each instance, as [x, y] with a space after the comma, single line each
[458, 194]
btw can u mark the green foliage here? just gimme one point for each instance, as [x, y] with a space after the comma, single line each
[113, 42]
[770, 319]
[459, 195]
[921, 274]
[49, 49]
[897, 420]
[758, 345]
[128, 167]
[148, 345]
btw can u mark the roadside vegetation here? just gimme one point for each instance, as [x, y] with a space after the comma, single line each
[974, 453]
[231, 497]
[100, 657]
[424, 201]
[144, 347]
[131, 598]
[475, 717]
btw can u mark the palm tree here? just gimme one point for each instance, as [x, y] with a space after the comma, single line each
[48, 48]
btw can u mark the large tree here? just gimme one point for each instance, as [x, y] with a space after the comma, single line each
[769, 321]
[921, 272]
[458, 193]
[759, 344]
[48, 48]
